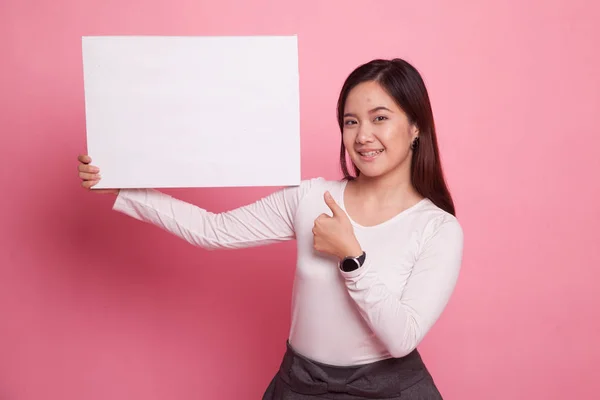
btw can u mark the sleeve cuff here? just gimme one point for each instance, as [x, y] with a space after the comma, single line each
[357, 274]
[119, 203]
[126, 197]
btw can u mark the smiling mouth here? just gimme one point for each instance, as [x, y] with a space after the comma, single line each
[371, 153]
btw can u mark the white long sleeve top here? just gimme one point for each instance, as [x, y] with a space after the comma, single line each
[381, 310]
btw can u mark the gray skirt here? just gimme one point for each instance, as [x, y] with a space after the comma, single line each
[300, 378]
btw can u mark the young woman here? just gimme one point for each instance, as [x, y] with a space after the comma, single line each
[379, 251]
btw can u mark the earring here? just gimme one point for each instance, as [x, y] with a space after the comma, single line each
[415, 143]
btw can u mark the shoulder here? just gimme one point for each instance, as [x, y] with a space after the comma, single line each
[440, 224]
[309, 194]
[318, 185]
[319, 181]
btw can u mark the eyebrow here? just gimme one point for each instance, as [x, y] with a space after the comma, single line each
[370, 111]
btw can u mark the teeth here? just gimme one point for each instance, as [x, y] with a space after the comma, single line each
[371, 153]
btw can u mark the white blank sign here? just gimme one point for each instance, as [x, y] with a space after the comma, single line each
[192, 111]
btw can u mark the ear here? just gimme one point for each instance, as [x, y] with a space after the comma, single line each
[414, 141]
[414, 131]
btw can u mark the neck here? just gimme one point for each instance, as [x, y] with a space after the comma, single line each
[392, 188]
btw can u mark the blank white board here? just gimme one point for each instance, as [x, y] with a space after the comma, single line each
[192, 111]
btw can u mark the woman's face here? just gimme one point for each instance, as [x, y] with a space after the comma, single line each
[376, 132]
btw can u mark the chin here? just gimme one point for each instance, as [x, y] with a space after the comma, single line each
[371, 172]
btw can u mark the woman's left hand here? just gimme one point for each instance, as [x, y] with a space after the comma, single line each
[334, 234]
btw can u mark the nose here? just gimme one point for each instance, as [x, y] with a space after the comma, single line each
[365, 135]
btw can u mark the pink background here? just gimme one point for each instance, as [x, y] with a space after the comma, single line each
[95, 305]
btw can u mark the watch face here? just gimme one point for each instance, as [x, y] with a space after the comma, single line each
[349, 264]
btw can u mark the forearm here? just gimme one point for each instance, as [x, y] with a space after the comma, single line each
[392, 321]
[401, 312]
[244, 227]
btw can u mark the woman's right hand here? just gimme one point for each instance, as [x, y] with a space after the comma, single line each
[90, 175]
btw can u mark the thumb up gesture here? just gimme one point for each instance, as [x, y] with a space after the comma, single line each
[334, 234]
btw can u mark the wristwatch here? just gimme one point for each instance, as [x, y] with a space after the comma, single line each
[349, 264]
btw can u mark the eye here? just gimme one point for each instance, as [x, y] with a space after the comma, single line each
[380, 118]
[349, 122]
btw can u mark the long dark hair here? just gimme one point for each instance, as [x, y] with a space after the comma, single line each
[404, 83]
